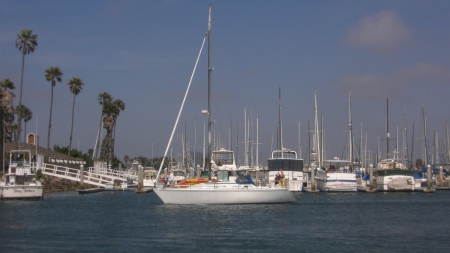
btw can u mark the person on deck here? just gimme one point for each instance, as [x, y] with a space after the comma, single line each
[282, 178]
[171, 178]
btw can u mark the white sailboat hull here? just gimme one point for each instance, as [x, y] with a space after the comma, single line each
[211, 193]
[336, 182]
[395, 183]
[22, 192]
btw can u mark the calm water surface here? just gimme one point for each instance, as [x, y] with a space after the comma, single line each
[124, 221]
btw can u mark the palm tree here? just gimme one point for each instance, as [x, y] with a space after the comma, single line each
[26, 115]
[26, 42]
[75, 85]
[110, 111]
[52, 74]
[6, 109]
[121, 106]
[126, 159]
[103, 98]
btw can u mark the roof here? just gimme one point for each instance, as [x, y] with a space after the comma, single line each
[40, 150]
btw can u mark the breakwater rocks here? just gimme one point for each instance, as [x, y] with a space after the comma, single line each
[54, 184]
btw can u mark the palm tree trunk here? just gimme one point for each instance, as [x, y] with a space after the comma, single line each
[20, 100]
[49, 124]
[98, 139]
[71, 128]
[24, 131]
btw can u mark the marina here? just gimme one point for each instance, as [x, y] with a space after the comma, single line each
[126, 176]
[124, 221]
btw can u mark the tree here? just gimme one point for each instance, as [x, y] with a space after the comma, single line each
[115, 162]
[75, 85]
[52, 75]
[111, 111]
[26, 42]
[26, 115]
[7, 109]
[103, 98]
[126, 159]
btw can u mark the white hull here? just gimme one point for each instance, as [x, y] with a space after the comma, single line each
[336, 182]
[22, 192]
[395, 183]
[217, 193]
[149, 182]
[294, 180]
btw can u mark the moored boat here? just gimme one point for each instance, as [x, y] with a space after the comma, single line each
[392, 175]
[337, 177]
[20, 181]
[241, 191]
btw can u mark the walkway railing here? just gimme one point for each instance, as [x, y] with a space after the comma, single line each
[94, 176]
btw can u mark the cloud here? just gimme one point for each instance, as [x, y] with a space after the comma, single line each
[383, 32]
[400, 81]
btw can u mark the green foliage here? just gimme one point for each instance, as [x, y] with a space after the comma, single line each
[38, 174]
[116, 162]
[62, 150]
[76, 154]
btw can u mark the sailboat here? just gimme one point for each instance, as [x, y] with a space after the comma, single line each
[242, 191]
[338, 175]
[286, 160]
[391, 173]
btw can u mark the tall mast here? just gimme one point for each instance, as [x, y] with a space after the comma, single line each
[316, 131]
[361, 155]
[209, 93]
[436, 148]
[350, 135]
[245, 138]
[322, 137]
[447, 150]
[257, 141]
[279, 118]
[405, 137]
[299, 146]
[387, 128]
[412, 147]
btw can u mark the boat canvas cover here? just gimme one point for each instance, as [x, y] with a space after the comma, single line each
[366, 177]
[244, 180]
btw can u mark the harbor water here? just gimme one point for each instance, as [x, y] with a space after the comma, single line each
[123, 221]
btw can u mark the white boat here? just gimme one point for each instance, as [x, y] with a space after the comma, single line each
[20, 181]
[292, 167]
[337, 177]
[224, 193]
[285, 160]
[149, 178]
[223, 160]
[393, 175]
[223, 166]
[237, 192]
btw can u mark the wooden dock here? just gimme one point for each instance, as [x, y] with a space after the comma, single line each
[90, 190]
[144, 190]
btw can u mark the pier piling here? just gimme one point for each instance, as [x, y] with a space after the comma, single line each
[82, 176]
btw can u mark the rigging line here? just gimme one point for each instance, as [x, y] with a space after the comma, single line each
[181, 108]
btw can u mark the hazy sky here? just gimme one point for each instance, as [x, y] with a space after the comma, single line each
[143, 52]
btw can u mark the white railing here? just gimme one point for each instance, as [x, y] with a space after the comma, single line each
[94, 176]
[114, 173]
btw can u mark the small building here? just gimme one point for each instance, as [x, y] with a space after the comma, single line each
[53, 157]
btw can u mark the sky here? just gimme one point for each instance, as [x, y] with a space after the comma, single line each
[144, 53]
